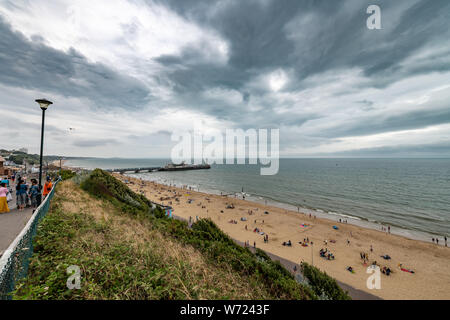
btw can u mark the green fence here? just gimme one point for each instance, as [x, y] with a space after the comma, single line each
[15, 260]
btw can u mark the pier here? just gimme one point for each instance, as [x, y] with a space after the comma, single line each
[169, 167]
[134, 170]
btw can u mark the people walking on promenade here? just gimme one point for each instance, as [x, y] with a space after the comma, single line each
[5, 180]
[21, 192]
[34, 193]
[3, 202]
[48, 187]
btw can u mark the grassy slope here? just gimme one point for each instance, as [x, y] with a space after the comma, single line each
[126, 250]
[121, 257]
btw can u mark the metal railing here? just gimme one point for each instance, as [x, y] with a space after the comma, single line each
[15, 260]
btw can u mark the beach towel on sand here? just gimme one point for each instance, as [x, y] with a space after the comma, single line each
[405, 269]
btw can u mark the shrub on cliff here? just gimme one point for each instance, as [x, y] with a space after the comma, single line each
[322, 284]
[103, 185]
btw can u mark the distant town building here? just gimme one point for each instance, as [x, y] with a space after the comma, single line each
[3, 170]
[25, 150]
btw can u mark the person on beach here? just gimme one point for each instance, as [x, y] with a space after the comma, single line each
[21, 193]
[445, 239]
[3, 202]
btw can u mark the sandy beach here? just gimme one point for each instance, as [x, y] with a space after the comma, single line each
[429, 262]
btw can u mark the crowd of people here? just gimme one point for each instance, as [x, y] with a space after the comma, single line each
[27, 195]
[325, 253]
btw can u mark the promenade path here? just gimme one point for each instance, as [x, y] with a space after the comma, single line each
[12, 223]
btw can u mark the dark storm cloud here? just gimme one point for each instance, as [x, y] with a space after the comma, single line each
[377, 123]
[85, 143]
[335, 37]
[311, 37]
[423, 150]
[317, 43]
[12, 123]
[33, 65]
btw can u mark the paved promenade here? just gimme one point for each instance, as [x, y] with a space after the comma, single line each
[12, 223]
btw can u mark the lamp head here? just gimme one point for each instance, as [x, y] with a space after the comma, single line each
[43, 103]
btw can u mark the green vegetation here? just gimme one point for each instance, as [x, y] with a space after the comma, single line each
[65, 174]
[18, 157]
[121, 256]
[322, 284]
[104, 186]
[128, 249]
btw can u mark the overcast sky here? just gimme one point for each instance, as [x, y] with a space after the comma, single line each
[125, 74]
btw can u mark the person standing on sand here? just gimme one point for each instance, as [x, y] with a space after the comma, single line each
[389, 229]
[445, 239]
[3, 202]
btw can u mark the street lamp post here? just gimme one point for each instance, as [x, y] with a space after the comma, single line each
[60, 165]
[43, 103]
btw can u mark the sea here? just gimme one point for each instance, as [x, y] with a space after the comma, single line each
[412, 196]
